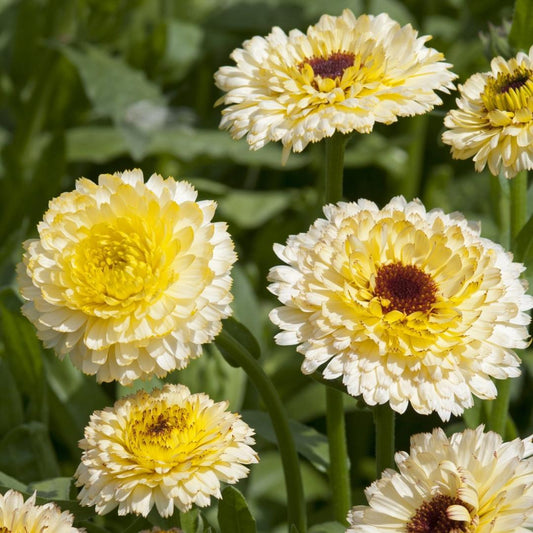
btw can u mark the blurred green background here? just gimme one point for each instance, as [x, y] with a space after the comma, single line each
[93, 86]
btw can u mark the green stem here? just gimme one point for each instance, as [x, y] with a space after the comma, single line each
[384, 424]
[339, 473]
[336, 426]
[334, 167]
[518, 218]
[518, 186]
[291, 467]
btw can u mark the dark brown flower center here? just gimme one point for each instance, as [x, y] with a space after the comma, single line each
[431, 517]
[406, 287]
[509, 92]
[332, 66]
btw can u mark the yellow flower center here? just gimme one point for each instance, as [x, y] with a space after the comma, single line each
[4, 529]
[160, 435]
[117, 266]
[509, 92]
[405, 288]
[431, 517]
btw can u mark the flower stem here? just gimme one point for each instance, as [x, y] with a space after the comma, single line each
[384, 424]
[339, 473]
[291, 467]
[518, 218]
[336, 427]
[334, 167]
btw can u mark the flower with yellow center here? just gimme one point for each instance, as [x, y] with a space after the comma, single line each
[129, 278]
[344, 74]
[494, 120]
[470, 483]
[407, 306]
[19, 516]
[170, 448]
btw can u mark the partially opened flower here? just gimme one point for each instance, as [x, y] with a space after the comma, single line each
[129, 278]
[170, 448]
[406, 306]
[472, 483]
[494, 120]
[344, 74]
[19, 516]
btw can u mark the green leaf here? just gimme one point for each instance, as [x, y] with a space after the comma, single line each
[309, 442]
[23, 353]
[328, 527]
[233, 513]
[523, 245]
[26, 451]
[243, 336]
[251, 209]
[121, 93]
[8, 482]
[11, 408]
[246, 299]
[521, 35]
[183, 46]
[53, 489]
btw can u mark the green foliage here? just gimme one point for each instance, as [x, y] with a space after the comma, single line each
[91, 86]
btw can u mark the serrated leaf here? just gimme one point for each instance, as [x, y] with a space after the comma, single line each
[233, 513]
[521, 35]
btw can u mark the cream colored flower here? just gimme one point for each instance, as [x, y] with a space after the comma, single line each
[472, 482]
[169, 448]
[19, 516]
[407, 306]
[494, 120]
[344, 74]
[129, 278]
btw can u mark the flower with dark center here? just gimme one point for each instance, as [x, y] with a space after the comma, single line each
[472, 482]
[405, 306]
[494, 120]
[344, 74]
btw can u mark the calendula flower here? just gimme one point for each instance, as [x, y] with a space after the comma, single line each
[19, 516]
[407, 306]
[170, 448]
[129, 278]
[472, 482]
[494, 120]
[344, 74]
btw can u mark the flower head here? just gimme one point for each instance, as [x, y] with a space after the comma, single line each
[494, 120]
[129, 278]
[170, 448]
[407, 306]
[472, 482]
[344, 74]
[17, 515]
